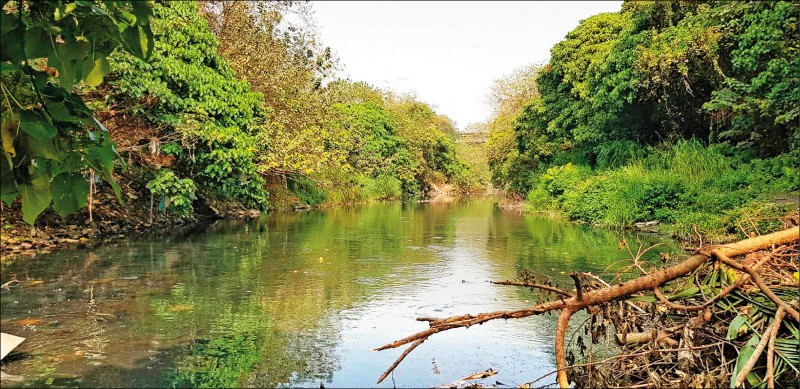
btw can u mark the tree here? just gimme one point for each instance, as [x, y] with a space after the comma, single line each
[273, 45]
[509, 96]
[188, 91]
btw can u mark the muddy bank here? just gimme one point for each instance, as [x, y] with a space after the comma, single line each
[107, 220]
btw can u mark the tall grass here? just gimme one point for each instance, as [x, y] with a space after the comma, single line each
[618, 153]
[691, 160]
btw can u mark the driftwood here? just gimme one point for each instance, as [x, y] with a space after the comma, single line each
[582, 299]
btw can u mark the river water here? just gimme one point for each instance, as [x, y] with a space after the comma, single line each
[298, 299]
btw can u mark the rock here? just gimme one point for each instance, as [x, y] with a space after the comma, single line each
[647, 225]
[253, 213]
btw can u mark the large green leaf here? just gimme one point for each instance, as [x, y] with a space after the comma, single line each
[69, 192]
[35, 197]
[8, 186]
[36, 125]
[37, 43]
[70, 56]
[11, 35]
[101, 159]
[40, 148]
[62, 11]
[737, 324]
[744, 354]
[138, 40]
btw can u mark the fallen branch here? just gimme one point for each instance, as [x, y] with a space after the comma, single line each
[751, 362]
[770, 378]
[598, 296]
[532, 285]
[397, 362]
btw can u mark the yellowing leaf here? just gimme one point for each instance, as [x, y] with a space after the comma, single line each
[100, 69]
[8, 131]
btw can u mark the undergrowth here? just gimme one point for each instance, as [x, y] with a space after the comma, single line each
[688, 188]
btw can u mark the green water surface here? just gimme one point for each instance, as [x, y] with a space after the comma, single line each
[297, 299]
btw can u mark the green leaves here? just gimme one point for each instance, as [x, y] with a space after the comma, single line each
[99, 69]
[37, 43]
[744, 354]
[69, 191]
[35, 196]
[176, 193]
[44, 138]
[36, 125]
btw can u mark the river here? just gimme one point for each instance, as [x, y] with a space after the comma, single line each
[298, 299]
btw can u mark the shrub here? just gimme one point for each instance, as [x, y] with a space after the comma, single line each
[176, 193]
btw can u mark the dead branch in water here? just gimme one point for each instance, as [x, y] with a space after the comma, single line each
[583, 299]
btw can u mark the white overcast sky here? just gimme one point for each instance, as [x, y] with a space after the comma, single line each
[448, 53]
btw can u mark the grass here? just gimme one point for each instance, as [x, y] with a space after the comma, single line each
[686, 186]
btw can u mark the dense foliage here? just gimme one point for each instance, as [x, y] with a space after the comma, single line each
[633, 103]
[49, 136]
[188, 95]
[234, 99]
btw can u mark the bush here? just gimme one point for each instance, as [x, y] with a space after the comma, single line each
[176, 193]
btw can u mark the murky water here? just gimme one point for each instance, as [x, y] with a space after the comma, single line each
[297, 300]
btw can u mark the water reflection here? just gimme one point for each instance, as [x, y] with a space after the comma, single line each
[296, 299]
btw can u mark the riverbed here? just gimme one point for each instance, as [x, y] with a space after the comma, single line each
[299, 299]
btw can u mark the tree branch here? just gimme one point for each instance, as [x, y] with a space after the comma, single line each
[532, 285]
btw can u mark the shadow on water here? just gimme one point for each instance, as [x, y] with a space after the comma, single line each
[295, 299]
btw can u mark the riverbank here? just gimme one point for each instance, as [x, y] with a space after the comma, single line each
[111, 220]
[685, 190]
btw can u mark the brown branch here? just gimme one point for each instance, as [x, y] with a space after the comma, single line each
[751, 362]
[770, 378]
[561, 331]
[759, 282]
[470, 320]
[532, 285]
[578, 289]
[400, 359]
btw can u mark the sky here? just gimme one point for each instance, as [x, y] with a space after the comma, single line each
[447, 53]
